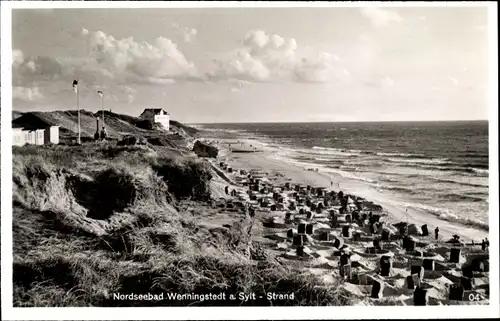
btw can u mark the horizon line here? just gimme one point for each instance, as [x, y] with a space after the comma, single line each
[343, 121]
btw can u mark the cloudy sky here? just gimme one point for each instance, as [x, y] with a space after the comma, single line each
[256, 64]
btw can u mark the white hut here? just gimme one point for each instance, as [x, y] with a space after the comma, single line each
[51, 135]
[39, 136]
[18, 137]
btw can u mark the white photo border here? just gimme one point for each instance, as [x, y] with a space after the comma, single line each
[240, 313]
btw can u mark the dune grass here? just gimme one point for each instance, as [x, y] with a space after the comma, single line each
[93, 220]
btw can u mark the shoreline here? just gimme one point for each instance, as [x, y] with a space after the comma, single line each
[360, 249]
[268, 161]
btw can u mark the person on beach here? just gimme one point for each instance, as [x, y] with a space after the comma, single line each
[485, 244]
[436, 232]
[104, 133]
[252, 211]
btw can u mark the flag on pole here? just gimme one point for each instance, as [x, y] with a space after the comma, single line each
[100, 93]
[75, 86]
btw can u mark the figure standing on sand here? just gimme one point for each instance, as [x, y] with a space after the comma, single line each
[104, 133]
[436, 232]
[484, 244]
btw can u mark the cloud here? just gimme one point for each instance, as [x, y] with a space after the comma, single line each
[119, 61]
[129, 89]
[265, 57]
[262, 57]
[160, 81]
[380, 17]
[187, 33]
[26, 94]
[141, 60]
[27, 71]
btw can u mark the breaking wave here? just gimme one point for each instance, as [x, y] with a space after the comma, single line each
[444, 214]
[421, 161]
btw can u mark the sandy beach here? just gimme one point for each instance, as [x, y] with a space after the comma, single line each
[267, 161]
[376, 266]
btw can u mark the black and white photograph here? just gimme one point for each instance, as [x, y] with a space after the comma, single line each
[224, 156]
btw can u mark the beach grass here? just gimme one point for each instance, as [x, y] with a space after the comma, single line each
[96, 220]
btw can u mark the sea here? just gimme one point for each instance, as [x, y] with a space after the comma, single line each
[437, 167]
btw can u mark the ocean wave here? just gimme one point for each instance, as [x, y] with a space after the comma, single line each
[421, 161]
[329, 160]
[461, 197]
[336, 151]
[443, 180]
[471, 155]
[479, 171]
[444, 214]
[219, 130]
[337, 169]
[315, 152]
[407, 190]
[401, 155]
[328, 148]
[390, 179]
[352, 176]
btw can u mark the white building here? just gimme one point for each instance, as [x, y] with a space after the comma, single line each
[21, 136]
[39, 136]
[51, 135]
[156, 115]
[18, 137]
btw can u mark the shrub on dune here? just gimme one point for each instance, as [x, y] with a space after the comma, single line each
[186, 178]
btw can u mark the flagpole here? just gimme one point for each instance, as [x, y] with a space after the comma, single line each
[102, 107]
[78, 108]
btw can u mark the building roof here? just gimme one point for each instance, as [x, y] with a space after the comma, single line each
[155, 110]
